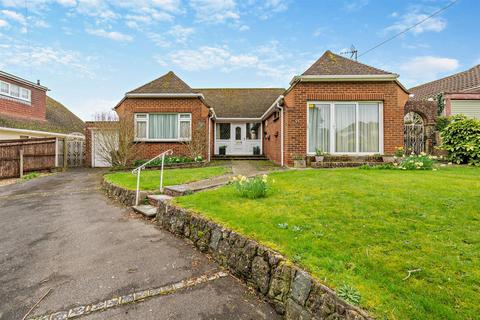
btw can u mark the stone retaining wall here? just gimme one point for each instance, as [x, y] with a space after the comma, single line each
[125, 196]
[292, 291]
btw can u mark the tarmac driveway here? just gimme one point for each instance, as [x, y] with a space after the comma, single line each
[61, 233]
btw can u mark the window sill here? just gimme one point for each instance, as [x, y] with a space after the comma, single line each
[7, 97]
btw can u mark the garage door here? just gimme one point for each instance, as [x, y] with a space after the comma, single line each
[470, 108]
[99, 145]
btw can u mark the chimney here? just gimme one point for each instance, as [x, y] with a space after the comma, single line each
[38, 82]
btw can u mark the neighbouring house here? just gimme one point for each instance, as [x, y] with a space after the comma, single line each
[337, 105]
[27, 112]
[460, 91]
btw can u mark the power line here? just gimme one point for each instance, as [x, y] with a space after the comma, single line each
[411, 27]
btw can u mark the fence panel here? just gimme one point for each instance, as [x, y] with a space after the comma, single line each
[38, 154]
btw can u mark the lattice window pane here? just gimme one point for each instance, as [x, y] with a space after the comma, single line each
[223, 131]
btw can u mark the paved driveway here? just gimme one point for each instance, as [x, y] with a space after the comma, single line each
[61, 233]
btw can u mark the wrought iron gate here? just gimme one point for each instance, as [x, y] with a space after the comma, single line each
[414, 133]
[75, 150]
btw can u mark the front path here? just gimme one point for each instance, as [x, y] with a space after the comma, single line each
[61, 233]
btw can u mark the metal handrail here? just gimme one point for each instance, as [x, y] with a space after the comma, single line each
[139, 169]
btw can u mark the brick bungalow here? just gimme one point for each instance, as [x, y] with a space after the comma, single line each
[337, 105]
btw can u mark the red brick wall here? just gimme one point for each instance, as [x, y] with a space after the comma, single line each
[88, 143]
[21, 109]
[272, 139]
[393, 97]
[187, 105]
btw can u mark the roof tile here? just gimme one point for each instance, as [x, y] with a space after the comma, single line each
[466, 81]
[168, 83]
[333, 65]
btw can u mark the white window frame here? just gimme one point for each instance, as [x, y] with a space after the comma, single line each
[20, 90]
[179, 119]
[357, 136]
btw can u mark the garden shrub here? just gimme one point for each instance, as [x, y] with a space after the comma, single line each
[421, 161]
[461, 138]
[349, 294]
[442, 123]
[30, 176]
[251, 188]
[169, 160]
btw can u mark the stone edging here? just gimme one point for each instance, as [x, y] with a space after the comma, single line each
[292, 291]
[125, 196]
[179, 165]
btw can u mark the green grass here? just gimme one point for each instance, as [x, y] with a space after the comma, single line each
[366, 229]
[150, 179]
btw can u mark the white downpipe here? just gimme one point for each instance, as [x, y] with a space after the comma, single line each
[209, 137]
[281, 134]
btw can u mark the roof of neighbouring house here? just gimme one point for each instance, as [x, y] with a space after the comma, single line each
[332, 64]
[168, 83]
[240, 103]
[58, 119]
[467, 81]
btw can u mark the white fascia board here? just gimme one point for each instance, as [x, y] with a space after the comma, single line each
[23, 81]
[53, 134]
[238, 119]
[164, 95]
[353, 77]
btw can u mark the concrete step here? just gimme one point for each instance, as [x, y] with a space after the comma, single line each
[347, 164]
[233, 157]
[147, 210]
[156, 199]
[177, 191]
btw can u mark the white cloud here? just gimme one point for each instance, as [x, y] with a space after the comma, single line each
[265, 9]
[354, 5]
[113, 35]
[427, 68]
[434, 24]
[51, 59]
[3, 23]
[243, 27]
[265, 61]
[215, 11]
[13, 16]
[158, 39]
[180, 33]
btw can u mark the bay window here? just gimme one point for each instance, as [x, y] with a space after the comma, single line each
[345, 127]
[163, 126]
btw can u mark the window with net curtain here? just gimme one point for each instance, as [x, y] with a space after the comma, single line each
[349, 120]
[163, 126]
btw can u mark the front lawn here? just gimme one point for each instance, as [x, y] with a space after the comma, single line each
[367, 229]
[150, 179]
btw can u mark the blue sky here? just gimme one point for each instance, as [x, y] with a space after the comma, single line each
[90, 52]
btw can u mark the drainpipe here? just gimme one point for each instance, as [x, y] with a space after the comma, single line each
[281, 134]
[209, 134]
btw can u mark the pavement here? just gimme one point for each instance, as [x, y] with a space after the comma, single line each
[60, 233]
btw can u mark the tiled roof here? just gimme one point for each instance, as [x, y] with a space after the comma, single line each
[332, 64]
[466, 81]
[58, 119]
[168, 83]
[240, 103]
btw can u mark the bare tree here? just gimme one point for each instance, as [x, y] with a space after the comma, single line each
[197, 145]
[115, 138]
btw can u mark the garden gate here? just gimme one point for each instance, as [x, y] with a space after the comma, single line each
[414, 133]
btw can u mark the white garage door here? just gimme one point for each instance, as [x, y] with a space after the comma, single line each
[99, 145]
[470, 108]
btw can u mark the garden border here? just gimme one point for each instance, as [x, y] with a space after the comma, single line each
[181, 165]
[293, 292]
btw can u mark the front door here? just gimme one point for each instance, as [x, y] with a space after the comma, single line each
[238, 135]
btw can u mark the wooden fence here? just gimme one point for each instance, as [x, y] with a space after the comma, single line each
[19, 156]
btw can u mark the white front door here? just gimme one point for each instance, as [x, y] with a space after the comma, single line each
[238, 137]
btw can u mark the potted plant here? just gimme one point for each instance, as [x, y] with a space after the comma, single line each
[319, 155]
[299, 161]
[222, 150]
